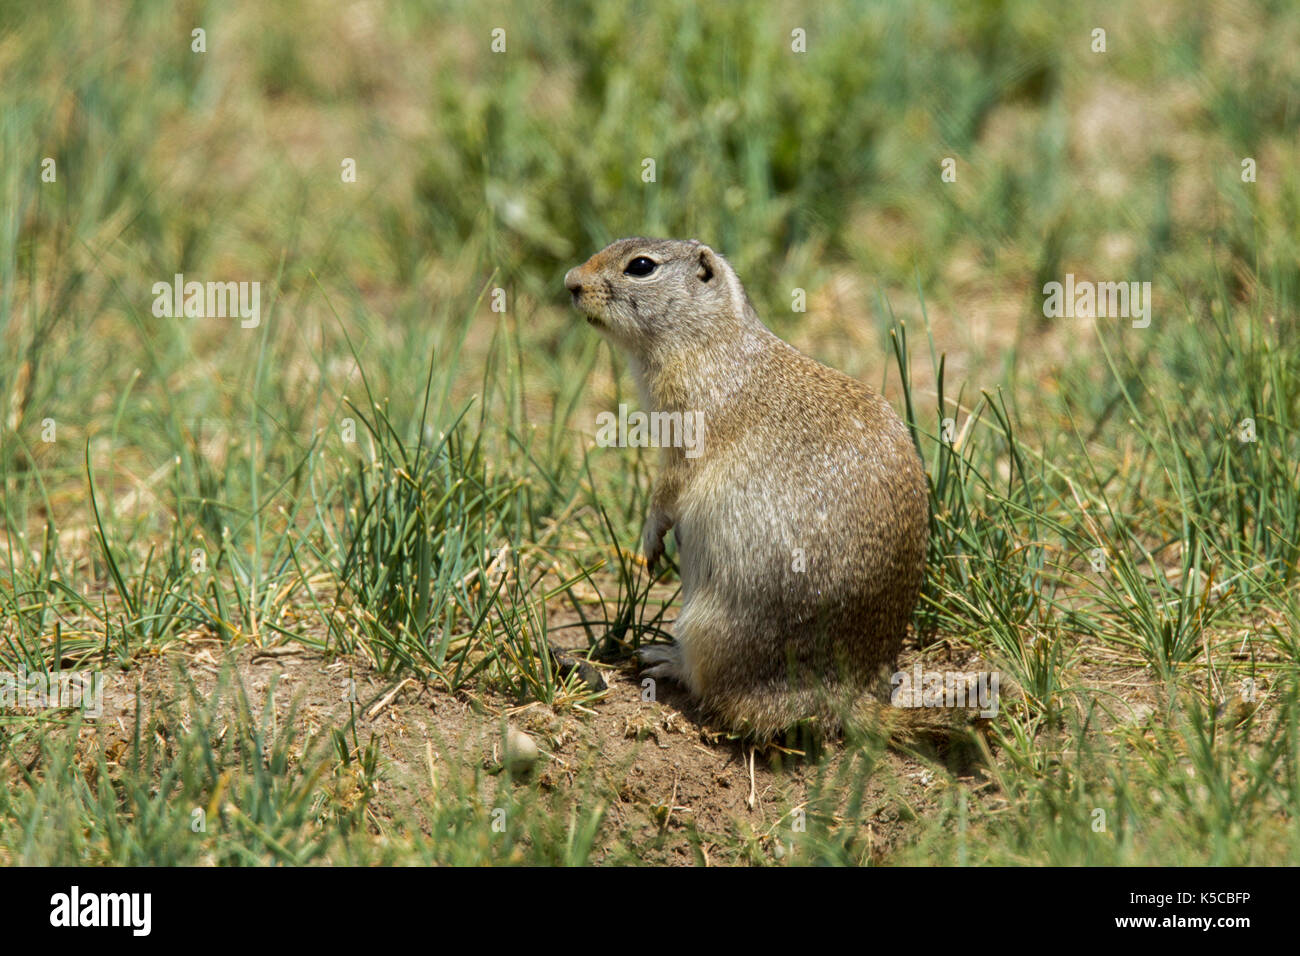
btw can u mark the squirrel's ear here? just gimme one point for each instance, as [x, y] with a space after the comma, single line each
[708, 264]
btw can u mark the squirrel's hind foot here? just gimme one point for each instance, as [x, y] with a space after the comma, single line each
[662, 660]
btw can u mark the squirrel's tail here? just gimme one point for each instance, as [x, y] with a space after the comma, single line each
[941, 729]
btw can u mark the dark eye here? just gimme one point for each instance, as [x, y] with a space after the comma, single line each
[640, 266]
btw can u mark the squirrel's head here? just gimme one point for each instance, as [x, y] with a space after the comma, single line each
[649, 295]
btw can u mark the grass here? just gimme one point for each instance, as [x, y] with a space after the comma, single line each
[394, 470]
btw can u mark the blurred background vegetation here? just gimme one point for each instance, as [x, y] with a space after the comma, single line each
[817, 170]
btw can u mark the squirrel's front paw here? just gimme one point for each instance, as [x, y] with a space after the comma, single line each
[652, 540]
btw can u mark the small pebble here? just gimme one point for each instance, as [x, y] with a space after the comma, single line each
[521, 752]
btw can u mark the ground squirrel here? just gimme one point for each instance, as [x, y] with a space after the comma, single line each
[801, 522]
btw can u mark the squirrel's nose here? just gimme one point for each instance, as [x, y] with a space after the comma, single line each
[571, 281]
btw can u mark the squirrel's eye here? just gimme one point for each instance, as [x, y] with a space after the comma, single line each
[640, 266]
